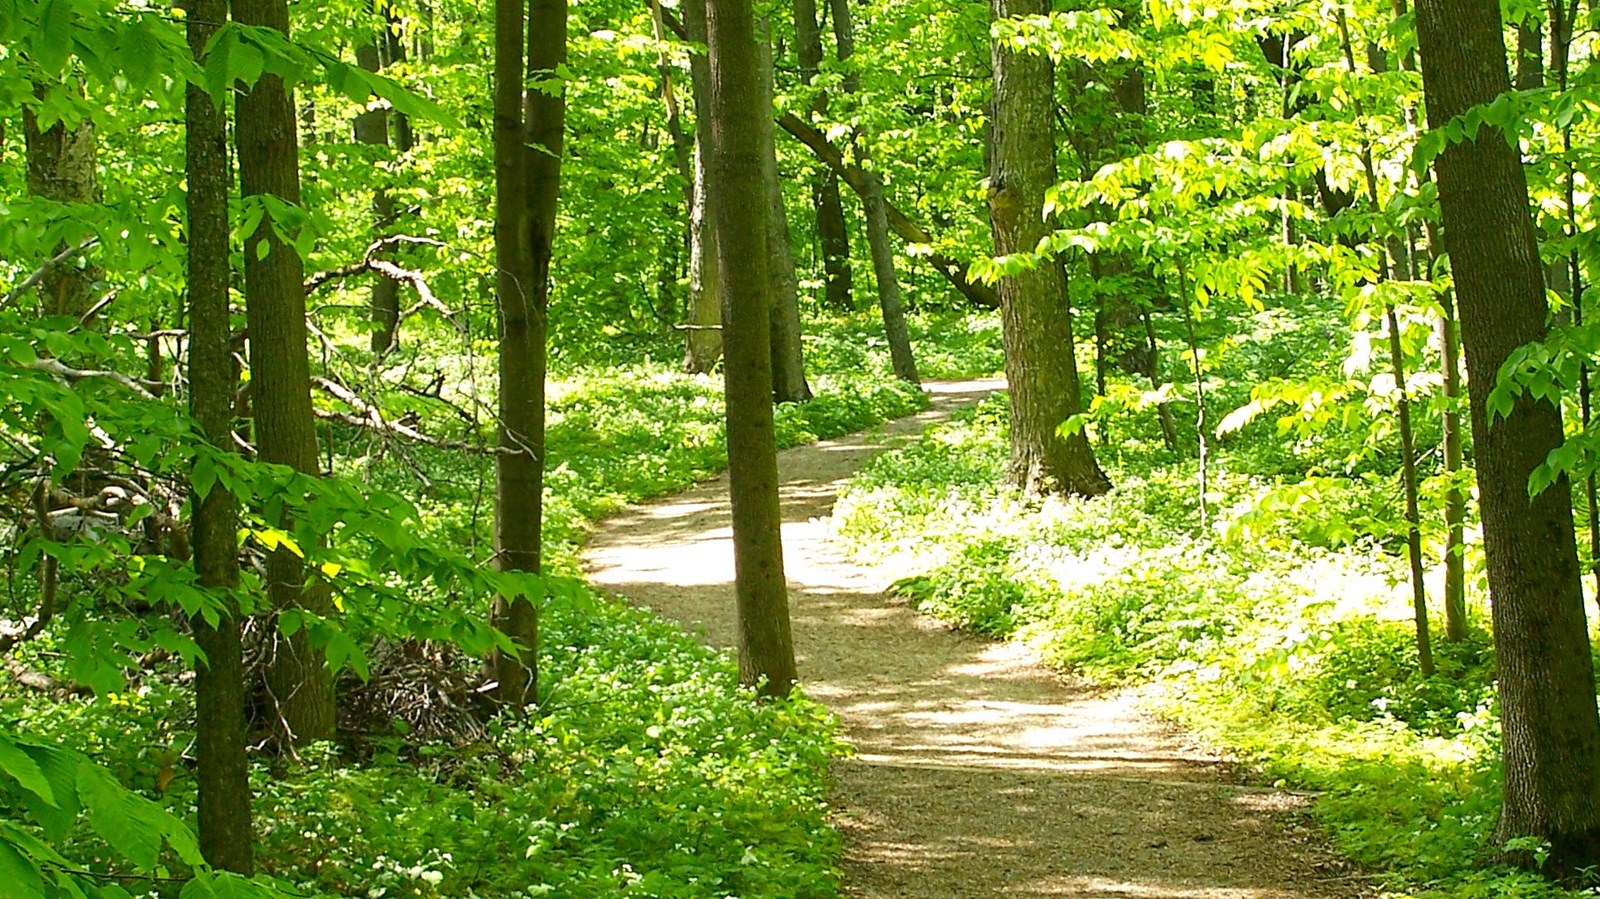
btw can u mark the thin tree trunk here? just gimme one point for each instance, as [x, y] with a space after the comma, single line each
[891, 304]
[1041, 365]
[833, 236]
[766, 651]
[1455, 498]
[889, 299]
[1202, 423]
[223, 772]
[285, 429]
[788, 356]
[1408, 457]
[1562, 15]
[519, 477]
[372, 129]
[704, 338]
[516, 535]
[1549, 724]
[1169, 427]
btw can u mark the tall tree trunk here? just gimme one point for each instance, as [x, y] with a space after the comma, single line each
[833, 235]
[223, 773]
[704, 338]
[738, 111]
[890, 303]
[1397, 257]
[519, 476]
[285, 429]
[1550, 728]
[372, 129]
[788, 355]
[1041, 364]
[1455, 497]
[62, 166]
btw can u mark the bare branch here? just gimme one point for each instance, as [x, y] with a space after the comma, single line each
[38, 274]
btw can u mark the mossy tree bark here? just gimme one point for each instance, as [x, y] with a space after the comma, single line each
[285, 429]
[1041, 364]
[223, 773]
[738, 112]
[1550, 727]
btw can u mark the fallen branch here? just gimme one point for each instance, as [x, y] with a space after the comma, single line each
[44, 683]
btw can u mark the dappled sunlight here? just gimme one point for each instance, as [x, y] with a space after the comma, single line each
[976, 771]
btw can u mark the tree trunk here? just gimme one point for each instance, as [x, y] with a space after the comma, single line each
[285, 429]
[519, 477]
[1551, 731]
[833, 236]
[1041, 364]
[61, 166]
[704, 339]
[738, 110]
[788, 356]
[223, 772]
[372, 128]
[1455, 498]
[1398, 256]
[889, 300]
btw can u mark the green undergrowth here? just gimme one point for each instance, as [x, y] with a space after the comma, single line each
[620, 435]
[1280, 632]
[646, 771]
[948, 346]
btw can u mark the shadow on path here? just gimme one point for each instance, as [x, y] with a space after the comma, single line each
[978, 772]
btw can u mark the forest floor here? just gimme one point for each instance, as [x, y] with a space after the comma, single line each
[977, 771]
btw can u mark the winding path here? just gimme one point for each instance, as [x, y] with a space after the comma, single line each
[978, 772]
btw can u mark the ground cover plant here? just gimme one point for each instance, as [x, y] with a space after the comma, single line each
[328, 331]
[1280, 631]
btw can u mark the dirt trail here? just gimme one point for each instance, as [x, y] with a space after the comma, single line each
[978, 772]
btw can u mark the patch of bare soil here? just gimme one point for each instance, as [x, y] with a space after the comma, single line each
[978, 772]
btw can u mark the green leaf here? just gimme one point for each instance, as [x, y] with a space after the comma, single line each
[20, 874]
[25, 770]
[129, 823]
[54, 43]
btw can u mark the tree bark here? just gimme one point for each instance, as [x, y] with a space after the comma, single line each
[833, 235]
[766, 652]
[788, 355]
[285, 428]
[1549, 723]
[372, 129]
[62, 166]
[537, 137]
[1041, 364]
[223, 772]
[890, 303]
[704, 339]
